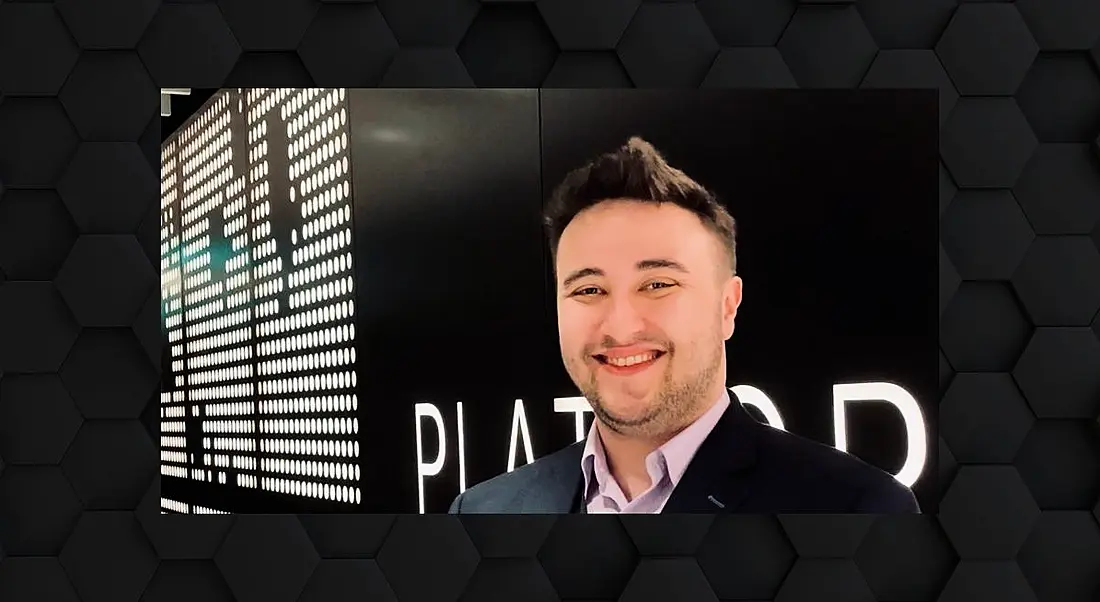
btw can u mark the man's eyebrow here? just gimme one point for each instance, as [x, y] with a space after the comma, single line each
[653, 264]
[581, 273]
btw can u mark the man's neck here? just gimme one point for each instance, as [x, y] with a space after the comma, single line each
[626, 455]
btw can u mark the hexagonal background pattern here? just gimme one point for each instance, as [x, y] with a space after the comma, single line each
[79, 506]
[1061, 98]
[987, 49]
[1059, 187]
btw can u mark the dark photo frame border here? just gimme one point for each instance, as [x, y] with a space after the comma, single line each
[1019, 448]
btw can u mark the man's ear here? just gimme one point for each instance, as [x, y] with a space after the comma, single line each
[731, 300]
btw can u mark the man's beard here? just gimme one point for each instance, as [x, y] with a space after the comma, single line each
[674, 405]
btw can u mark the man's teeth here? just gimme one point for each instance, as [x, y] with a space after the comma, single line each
[631, 360]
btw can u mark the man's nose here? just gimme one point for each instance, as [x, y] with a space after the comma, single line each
[624, 319]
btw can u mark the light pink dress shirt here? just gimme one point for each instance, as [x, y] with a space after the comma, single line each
[665, 464]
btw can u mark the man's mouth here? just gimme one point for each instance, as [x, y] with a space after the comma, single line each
[628, 364]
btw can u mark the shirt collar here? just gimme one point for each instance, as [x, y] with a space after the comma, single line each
[676, 453]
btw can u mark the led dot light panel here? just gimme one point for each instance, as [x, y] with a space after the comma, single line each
[259, 395]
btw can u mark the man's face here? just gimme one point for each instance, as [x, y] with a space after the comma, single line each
[645, 303]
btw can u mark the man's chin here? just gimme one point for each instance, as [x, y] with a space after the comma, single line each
[630, 414]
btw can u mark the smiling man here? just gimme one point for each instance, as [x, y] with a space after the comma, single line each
[647, 296]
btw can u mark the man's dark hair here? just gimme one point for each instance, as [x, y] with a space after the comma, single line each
[636, 171]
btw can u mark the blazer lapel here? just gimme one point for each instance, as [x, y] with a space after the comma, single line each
[719, 477]
[557, 489]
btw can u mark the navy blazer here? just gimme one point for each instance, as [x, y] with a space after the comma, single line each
[743, 466]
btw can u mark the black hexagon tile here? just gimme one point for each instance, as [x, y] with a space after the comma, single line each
[746, 557]
[1057, 283]
[108, 24]
[1096, 325]
[668, 45]
[749, 68]
[150, 149]
[425, 67]
[984, 418]
[582, 25]
[38, 419]
[1062, 24]
[912, 69]
[347, 535]
[591, 69]
[988, 580]
[1060, 462]
[904, 24]
[108, 170]
[508, 45]
[38, 140]
[109, 375]
[949, 280]
[36, 234]
[437, 541]
[1059, 187]
[189, 43]
[675, 535]
[747, 23]
[987, 513]
[347, 45]
[39, 509]
[947, 467]
[107, 557]
[34, 30]
[1061, 98]
[1061, 558]
[595, 571]
[983, 328]
[147, 329]
[985, 234]
[38, 328]
[986, 142]
[180, 536]
[987, 49]
[179, 580]
[838, 536]
[110, 464]
[509, 579]
[429, 23]
[833, 579]
[914, 571]
[667, 579]
[947, 188]
[110, 96]
[150, 417]
[947, 373]
[35, 578]
[266, 558]
[265, 69]
[279, 26]
[106, 279]
[335, 579]
[507, 535]
[827, 47]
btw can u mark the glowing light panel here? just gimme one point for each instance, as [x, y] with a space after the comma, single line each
[257, 293]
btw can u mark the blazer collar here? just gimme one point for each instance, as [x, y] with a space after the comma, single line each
[716, 480]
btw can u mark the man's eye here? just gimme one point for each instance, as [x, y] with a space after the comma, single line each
[658, 285]
[586, 291]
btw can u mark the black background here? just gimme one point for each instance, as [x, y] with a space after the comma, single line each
[79, 495]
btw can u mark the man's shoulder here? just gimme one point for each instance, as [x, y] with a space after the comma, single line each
[821, 471]
[500, 493]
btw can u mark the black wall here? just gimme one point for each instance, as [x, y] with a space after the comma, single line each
[834, 193]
